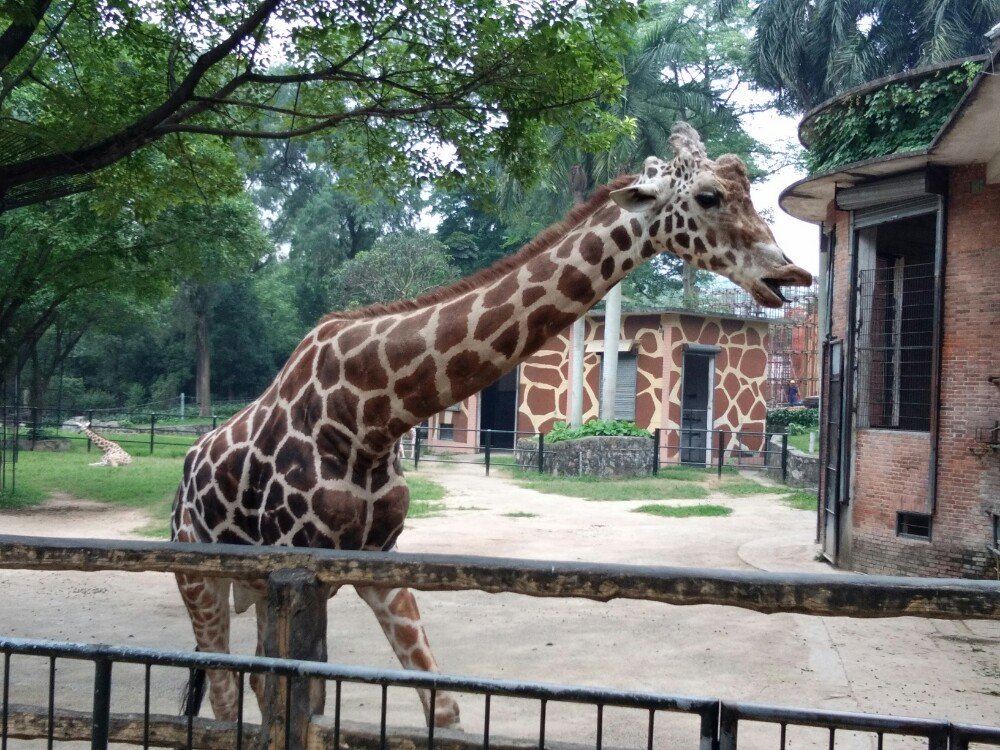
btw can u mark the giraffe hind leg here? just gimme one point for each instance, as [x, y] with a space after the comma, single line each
[396, 611]
[207, 602]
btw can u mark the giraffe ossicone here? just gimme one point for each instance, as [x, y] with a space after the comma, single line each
[315, 461]
[112, 454]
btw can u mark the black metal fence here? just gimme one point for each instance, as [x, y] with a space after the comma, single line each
[717, 727]
[710, 723]
[36, 428]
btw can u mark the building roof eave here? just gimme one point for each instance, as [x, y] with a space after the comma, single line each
[969, 135]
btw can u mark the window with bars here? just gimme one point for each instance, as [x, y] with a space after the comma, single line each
[895, 344]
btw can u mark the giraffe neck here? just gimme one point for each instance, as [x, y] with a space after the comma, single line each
[448, 350]
[99, 441]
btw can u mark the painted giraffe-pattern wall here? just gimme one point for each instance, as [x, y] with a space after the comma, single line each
[740, 373]
[658, 341]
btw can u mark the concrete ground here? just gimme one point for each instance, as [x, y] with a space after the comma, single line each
[904, 666]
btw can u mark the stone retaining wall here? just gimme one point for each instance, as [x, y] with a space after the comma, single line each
[590, 456]
[803, 468]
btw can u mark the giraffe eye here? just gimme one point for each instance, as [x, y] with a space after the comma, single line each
[709, 199]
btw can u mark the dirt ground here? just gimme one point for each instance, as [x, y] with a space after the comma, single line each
[904, 666]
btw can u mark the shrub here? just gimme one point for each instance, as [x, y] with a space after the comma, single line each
[793, 419]
[596, 428]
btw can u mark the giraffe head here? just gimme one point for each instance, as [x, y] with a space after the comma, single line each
[700, 210]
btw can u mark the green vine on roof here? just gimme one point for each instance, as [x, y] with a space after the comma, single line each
[895, 118]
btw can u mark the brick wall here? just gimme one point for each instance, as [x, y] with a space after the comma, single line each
[891, 467]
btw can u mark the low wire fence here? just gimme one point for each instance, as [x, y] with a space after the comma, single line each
[717, 450]
[32, 428]
[305, 702]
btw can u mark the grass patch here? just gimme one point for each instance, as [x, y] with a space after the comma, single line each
[684, 511]
[747, 487]
[686, 473]
[425, 497]
[801, 442]
[520, 514]
[148, 483]
[802, 500]
[600, 488]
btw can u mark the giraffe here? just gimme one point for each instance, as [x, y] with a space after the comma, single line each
[113, 454]
[314, 462]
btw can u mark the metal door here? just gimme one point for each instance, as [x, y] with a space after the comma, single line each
[833, 453]
[695, 405]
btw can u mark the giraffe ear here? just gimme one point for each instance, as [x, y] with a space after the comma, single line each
[635, 198]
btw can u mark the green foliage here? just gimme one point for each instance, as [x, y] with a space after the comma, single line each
[400, 266]
[807, 51]
[898, 117]
[153, 92]
[683, 511]
[595, 428]
[786, 417]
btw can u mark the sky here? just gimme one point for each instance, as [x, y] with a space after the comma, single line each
[798, 239]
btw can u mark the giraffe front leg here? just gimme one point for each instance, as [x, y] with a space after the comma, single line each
[207, 602]
[397, 613]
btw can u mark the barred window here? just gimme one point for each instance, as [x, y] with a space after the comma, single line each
[895, 344]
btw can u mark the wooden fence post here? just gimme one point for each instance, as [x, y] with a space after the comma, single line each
[296, 629]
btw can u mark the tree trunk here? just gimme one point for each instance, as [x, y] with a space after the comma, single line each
[203, 355]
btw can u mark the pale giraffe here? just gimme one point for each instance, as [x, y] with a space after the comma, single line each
[314, 462]
[113, 454]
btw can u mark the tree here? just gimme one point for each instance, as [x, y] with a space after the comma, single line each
[399, 266]
[425, 89]
[806, 51]
[217, 239]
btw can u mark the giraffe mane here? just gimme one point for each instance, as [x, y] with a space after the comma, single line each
[532, 249]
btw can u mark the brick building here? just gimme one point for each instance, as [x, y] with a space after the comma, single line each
[910, 326]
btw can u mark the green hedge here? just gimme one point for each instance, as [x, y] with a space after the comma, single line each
[806, 418]
[595, 428]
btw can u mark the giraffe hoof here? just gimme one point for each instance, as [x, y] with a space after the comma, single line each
[447, 717]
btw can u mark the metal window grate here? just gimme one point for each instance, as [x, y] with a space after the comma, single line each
[916, 525]
[895, 345]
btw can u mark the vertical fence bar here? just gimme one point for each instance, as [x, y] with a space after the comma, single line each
[541, 726]
[728, 726]
[721, 450]
[152, 431]
[145, 709]
[242, 677]
[215, 421]
[101, 718]
[486, 724]
[34, 426]
[709, 739]
[49, 735]
[416, 447]
[6, 701]
[90, 424]
[541, 453]
[487, 445]
[656, 451]
[784, 457]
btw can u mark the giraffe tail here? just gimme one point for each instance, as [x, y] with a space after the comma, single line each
[194, 692]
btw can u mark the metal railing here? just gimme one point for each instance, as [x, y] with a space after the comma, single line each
[718, 723]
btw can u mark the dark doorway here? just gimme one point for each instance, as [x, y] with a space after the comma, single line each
[696, 398]
[498, 411]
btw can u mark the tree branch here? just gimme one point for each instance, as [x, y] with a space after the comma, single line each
[17, 35]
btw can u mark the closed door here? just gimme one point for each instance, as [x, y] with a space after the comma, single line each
[695, 405]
